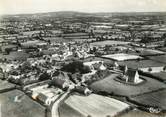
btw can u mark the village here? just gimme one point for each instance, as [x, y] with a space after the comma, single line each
[61, 67]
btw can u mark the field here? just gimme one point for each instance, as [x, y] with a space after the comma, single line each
[141, 64]
[56, 39]
[160, 75]
[138, 113]
[145, 52]
[30, 43]
[83, 39]
[122, 57]
[161, 58]
[79, 37]
[25, 107]
[109, 85]
[154, 99]
[74, 34]
[98, 59]
[163, 49]
[4, 86]
[67, 39]
[103, 43]
[67, 111]
[30, 32]
[96, 105]
[15, 56]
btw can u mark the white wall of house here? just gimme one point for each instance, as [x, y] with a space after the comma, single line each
[154, 69]
[137, 79]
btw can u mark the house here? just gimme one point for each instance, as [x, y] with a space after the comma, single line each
[115, 65]
[47, 98]
[95, 65]
[82, 90]
[99, 66]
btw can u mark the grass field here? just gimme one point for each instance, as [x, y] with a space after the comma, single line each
[109, 85]
[75, 34]
[103, 43]
[138, 113]
[5, 85]
[98, 59]
[122, 57]
[56, 39]
[31, 32]
[96, 105]
[163, 49]
[154, 99]
[68, 39]
[141, 64]
[145, 52]
[15, 56]
[160, 75]
[25, 107]
[66, 111]
[161, 58]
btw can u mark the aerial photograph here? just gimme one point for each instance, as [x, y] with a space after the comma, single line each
[82, 58]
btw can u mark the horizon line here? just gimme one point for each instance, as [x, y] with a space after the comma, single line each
[44, 12]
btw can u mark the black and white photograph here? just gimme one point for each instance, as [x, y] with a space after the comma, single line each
[82, 58]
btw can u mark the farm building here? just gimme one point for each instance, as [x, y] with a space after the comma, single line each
[82, 90]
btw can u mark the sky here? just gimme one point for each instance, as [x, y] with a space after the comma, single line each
[36, 6]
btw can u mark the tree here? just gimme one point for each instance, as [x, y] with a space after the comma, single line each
[164, 68]
[44, 76]
[150, 69]
[165, 43]
[26, 66]
[76, 66]
[8, 50]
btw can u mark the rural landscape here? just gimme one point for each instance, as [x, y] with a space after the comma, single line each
[80, 64]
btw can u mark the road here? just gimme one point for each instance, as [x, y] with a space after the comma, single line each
[54, 109]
